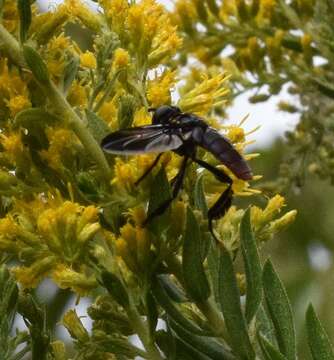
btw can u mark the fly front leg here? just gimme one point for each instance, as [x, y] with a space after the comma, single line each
[221, 206]
[155, 162]
[176, 189]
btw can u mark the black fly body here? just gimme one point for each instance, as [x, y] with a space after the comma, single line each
[181, 132]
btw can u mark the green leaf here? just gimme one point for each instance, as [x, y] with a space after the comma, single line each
[265, 325]
[173, 291]
[213, 267]
[268, 349]
[199, 197]
[252, 267]
[318, 340]
[280, 311]
[115, 288]
[36, 64]
[185, 351]
[70, 72]
[206, 345]
[171, 310]
[34, 117]
[152, 313]
[97, 126]
[160, 192]
[195, 279]
[126, 110]
[229, 297]
[24, 9]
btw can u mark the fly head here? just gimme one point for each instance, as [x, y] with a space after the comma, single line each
[163, 114]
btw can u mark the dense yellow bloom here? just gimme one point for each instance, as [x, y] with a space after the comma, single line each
[10, 15]
[45, 25]
[13, 146]
[56, 54]
[108, 112]
[134, 246]
[116, 12]
[208, 93]
[88, 60]
[158, 90]
[61, 142]
[18, 103]
[13, 89]
[66, 277]
[83, 13]
[77, 95]
[121, 59]
[50, 236]
[142, 117]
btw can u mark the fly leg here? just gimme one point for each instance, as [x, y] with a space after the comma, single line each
[220, 207]
[155, 162]
[176, 188]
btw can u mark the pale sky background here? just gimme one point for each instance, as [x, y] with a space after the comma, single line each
[273, 123]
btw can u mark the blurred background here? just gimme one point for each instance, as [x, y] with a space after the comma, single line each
[303, 254]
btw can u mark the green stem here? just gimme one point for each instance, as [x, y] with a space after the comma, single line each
[107, 91]
[76, 124]
[143, 333]
[207, 308]
[11, 47]
[57, 99]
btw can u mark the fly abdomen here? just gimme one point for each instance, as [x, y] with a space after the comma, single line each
[223, 150]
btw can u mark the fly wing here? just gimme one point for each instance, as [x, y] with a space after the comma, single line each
[140, 140]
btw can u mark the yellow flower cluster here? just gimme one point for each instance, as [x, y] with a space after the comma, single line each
[50, 236]
[61, 144]
[148, 26]
[13, 89]
[209, 92]
[158, 90]
[57, 50]
[266, 222]
[133, 246]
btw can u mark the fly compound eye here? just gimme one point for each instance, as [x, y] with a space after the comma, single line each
[164, 114]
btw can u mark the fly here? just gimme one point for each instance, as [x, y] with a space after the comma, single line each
[171, 129]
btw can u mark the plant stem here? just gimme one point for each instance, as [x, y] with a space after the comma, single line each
[77, 125]
[143, 333]
[207, 308]
[11, 46]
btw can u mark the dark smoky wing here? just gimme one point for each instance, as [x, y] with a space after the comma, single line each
[139, 140]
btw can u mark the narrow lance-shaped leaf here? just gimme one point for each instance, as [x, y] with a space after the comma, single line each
[318, 340]
[160, 193]
[199, 197]
[36, 64]
[252, 267]
[172, 311]
[97, 126]
[280, 311]
[229, 297]
[268, 349]
[195, 279]
[70, 72]
[24, 9]
[206, 345]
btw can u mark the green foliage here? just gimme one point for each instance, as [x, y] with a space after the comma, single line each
[76, 216]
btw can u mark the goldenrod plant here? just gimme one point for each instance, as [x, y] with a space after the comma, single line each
[268, 46]
[73, 215]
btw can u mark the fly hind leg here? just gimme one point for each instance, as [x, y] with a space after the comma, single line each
[221, 206]
[155, 162]
[176, 189]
